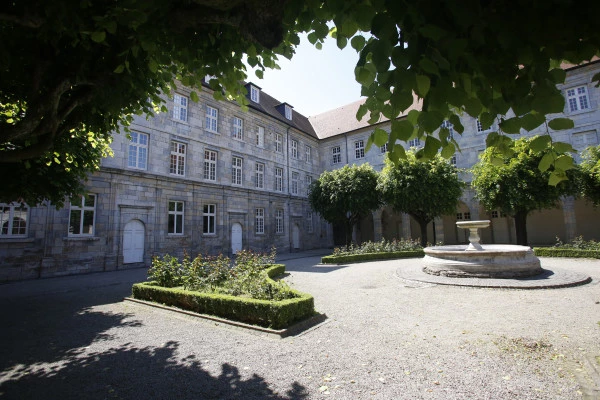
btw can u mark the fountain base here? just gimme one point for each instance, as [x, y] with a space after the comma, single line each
[492, 261]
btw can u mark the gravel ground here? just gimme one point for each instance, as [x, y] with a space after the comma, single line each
[384, 339]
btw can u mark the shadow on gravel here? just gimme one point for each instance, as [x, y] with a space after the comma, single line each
[133, 373]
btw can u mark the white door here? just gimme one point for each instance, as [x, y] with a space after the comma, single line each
[133, 242]
[296, 237]
[236, 238]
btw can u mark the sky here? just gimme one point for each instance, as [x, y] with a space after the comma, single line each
[313, 81]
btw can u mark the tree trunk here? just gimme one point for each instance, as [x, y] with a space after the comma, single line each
[349, 226]
[423, 225]
[521, 227]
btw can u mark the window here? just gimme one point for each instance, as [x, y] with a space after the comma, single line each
[494, 214]
[260, 221]
[138, 151]
[177, 165]
[279, 142]
[288, 112]
[294, 146]
[209, 219]
[212, 118]
[479, 126]
[414, 143]
[578, 98]
[307, 154]
[254, 94]
[308, 182]
[13, 219]
[448, 125]
[175, 218]
[359, 149]
[459, 216]
[309, 222]
[279, 220]
[278, 179]
[180, 104]
[336, 154]
[260, 175]
[210, 165]
[467, 216]
[238, 128]
[236, 170]
[582, 140]
[384, 149]
[82, 215]
[295, 177]
[260, 137]
[453, 160]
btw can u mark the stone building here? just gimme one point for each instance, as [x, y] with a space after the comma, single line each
[208, 177]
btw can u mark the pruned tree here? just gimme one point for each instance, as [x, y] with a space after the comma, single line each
[590, 175]
[345, 195]
[516, 185]
[424, 189]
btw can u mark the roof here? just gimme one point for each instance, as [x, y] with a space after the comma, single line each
[343, 119]
[269, 104]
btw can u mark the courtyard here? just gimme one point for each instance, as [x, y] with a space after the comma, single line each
[384, 338]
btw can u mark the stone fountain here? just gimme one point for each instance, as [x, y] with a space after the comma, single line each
[481, 261]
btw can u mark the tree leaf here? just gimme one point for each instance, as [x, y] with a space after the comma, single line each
[403, 129]
[540, 143]
[380, 137]
[423, 85]
[557, 177]
[358, 42]
[98, 36]
[561, 123]
[546, 161]
[511, 125]
[561, 147]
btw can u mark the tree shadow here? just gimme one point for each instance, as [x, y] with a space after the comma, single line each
[130, 373]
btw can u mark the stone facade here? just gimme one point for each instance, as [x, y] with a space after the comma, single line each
[207, 177]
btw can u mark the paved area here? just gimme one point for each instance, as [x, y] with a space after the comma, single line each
[385, 338]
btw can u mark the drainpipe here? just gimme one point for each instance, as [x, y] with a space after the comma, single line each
[287, 158]
[347, 150]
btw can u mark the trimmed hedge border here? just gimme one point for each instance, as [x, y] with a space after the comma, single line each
[370, 257]
[558, 252]
[271, 314]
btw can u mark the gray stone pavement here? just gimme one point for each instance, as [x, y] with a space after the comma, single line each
[74, 338]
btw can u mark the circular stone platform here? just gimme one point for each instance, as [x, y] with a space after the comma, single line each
[555, 278]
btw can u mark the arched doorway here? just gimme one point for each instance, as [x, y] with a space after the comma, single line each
[236, 238]
[296, 237]
[133, 242]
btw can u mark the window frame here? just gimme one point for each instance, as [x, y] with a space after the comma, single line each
[307, 153]
[209, 219]
[359, 149]
[10, 221]
[237, 128]
[278, 186]
[294, 148]
[336, 155]
[212, 119]
[138, 148]
[210, 165]
[175, 213]
[279, 225]
[81, 209]
[259, 221]
[288, 112]
[260, 136]
[295, 182]
[259, 175]
[237, 171]
[278, 143]
[577, 97]
[180, 108]
[177, 167]
[308, 179]
[254, 94]
[416, 142]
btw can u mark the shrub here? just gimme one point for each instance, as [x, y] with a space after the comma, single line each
[349, 258]
[384, 246]
[167, 271]
[578, 243]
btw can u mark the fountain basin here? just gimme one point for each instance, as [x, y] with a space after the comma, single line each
[491, 261]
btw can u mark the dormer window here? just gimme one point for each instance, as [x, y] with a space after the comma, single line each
[254, 94]
[288, 112]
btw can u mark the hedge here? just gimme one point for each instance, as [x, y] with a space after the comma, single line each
[271, 314]
[565, 252]
[342, 259]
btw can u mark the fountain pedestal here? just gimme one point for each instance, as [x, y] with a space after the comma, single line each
[481, 261]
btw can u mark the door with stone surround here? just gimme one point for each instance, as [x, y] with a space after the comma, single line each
[236, 238]
[133, 242]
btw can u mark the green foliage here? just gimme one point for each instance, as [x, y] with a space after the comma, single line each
[516, 183]
[424, 189]
[578, 243]
[269, 313]
[383, 246]
[565, 252]
[167, 272]
[345, 195]
[590, 175]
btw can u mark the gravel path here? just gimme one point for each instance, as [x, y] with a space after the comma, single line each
[384, 339]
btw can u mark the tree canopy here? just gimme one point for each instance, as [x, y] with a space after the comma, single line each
[518, 184]
[423, 189]
[590, 175]
[345, 195]
[75, 70]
